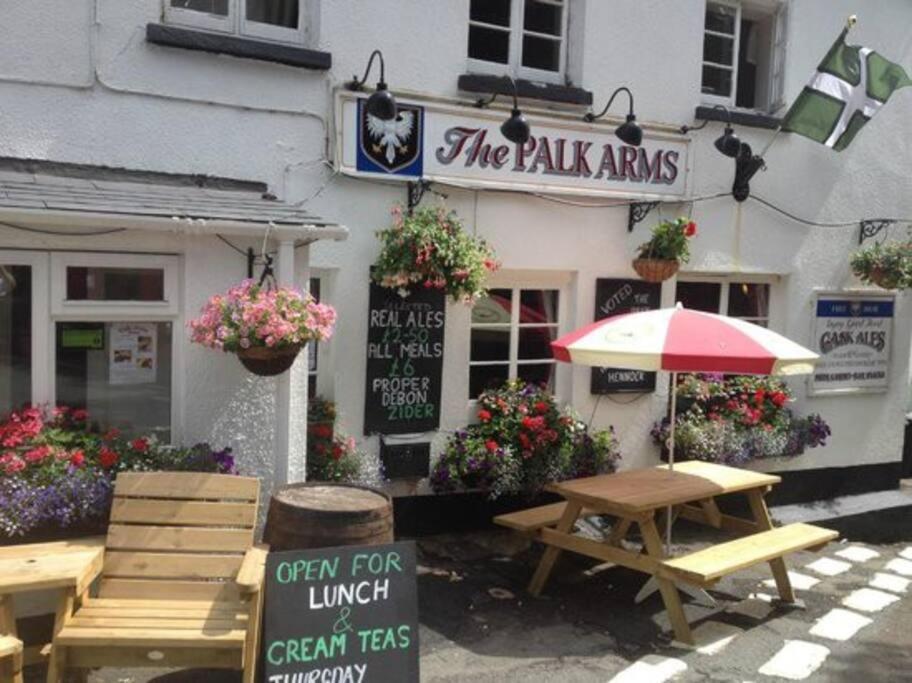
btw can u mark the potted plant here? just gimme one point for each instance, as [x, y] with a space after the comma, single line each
[265, 326]
[523, 440]
[431, 249]
[660, 257]
[888, 266]
[331, 456]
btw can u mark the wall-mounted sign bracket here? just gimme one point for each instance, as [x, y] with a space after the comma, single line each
[638, 211]
[416, 192]
[871, 228]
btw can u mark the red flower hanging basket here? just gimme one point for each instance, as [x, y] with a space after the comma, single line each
[268, 362]
[655, 270]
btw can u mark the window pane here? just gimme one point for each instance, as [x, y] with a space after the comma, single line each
[15, 337]
[700, 296]
[720, 18]
[542, 18]
[717, 81]
[538, 306]
[541, 53]
[119, 372]
[490, 11]
[219, 7]
[494, 308]
[489, 44]
[483, 377]
[275, 12]
[490, 343]
[718, 50]
[538, 373]
[114, 284]
[535, 342]
[747, 300]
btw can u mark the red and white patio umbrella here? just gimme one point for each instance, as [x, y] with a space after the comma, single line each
[683, 340]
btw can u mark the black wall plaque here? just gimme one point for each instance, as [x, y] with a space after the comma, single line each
[342, 614]
[404, 361]
[405, 460]
[613, 297]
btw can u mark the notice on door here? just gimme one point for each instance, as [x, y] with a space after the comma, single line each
[133, 357]
[853, 333]
[347, 615]
[404, 361]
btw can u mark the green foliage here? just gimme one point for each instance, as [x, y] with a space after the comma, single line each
[431, 249]
[669, 241]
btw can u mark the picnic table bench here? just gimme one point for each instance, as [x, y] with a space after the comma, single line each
[635, 496]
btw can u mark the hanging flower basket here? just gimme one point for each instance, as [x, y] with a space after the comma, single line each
[660, 257]
[655, 270]
[265, 326]
[430, 249]
[268, 362]
[886, 265]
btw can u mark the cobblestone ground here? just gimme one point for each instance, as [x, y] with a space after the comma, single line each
[478, 624]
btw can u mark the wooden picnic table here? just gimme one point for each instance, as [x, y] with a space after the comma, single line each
[690, 490]
[67, 565]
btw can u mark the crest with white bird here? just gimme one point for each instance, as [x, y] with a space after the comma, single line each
[390, 137]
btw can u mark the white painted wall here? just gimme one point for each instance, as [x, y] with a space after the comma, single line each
[79, 83]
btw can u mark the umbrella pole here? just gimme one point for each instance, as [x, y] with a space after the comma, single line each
[671, 455]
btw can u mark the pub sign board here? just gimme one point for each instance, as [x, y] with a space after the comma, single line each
[346, 615]
[404, 360]
[853, 333]
[614, 297]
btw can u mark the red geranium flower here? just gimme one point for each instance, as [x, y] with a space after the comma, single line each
[80, 415]
[77, 459]
[759, 396]
[38, 454]
[491, 445]
[541, 407]
[690, 229]
[107, 457]
[111, 434]
[141, 444]
[484, 415]
[337, 452]
[779, 399]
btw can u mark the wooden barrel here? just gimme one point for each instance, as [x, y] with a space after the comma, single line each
[318, 515]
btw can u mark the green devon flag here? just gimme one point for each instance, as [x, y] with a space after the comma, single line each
[851, 84]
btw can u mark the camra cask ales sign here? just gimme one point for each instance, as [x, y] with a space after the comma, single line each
[614, 297]
[451, 143]
[404, 360]
[853, 333]
[341, 615]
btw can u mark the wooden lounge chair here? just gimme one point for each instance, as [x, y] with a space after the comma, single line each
[181, 581]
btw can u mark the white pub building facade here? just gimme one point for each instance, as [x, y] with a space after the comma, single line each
[145, 146]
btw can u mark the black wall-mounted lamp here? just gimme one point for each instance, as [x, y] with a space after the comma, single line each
[381, 103]
[516, 128]
[746, 162]
[629, 131]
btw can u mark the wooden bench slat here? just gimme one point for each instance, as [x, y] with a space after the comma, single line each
[168, 590]
[212, 625]
[183, 512]
[130, 604]
[533, 519]
[154, 637]
[706, 566]
[133, 537]
[9, 646]
[171, 565]
[186, 485]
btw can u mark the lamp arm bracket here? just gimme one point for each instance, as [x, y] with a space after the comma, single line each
[358, 84]
[590, 117]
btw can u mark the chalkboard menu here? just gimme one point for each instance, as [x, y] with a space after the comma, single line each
[613, 297]
[342, 614]
[404, 361]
